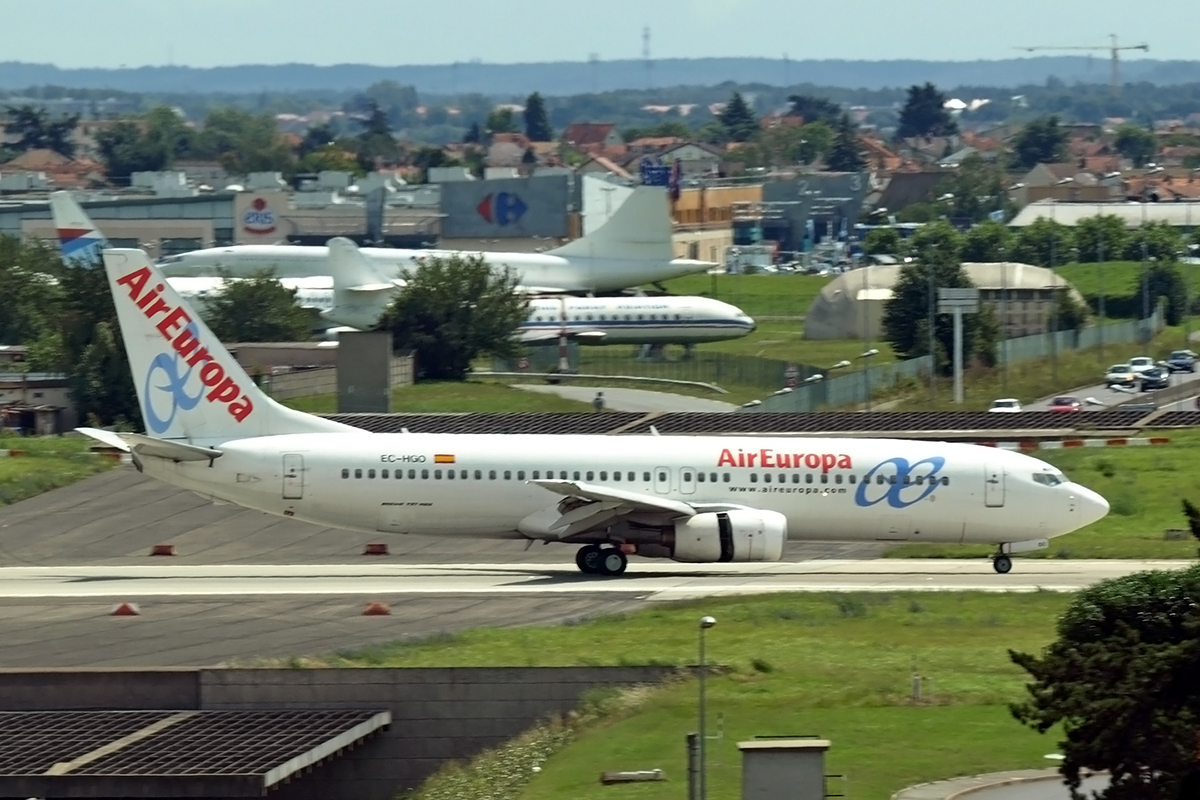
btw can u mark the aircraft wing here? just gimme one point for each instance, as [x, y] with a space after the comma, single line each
[538, 290]
[586, 506]
[149, 446]
[549, 334]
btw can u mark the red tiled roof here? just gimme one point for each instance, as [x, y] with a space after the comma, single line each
[582, 134]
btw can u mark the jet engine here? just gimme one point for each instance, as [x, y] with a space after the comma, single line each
[729, 536]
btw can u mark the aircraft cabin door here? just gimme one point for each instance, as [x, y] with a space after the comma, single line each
[993, 487]
[687, 480]
[662, 480]
[293, 476]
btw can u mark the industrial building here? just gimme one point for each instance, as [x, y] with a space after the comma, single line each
[1184, 214]
[851, 306]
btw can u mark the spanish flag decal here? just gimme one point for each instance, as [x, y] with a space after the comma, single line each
[443, 459]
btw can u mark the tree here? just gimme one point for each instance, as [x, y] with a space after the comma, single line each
[936, 248]
[987, 242]
[1042, 141]
[474, 134]
[787, 145]
[1121, 680]
[814, 109]
[846, 155]
[537, 122]
[501, 120]
[125, 151]
[668, 128]
[883, 242]
[35, 130]
[1136, 143]
[316, 138]
[166, 131]
[257, 309]
[976, 189]
[1101, 238]
[924, 114]
[1044, 243]
[452, 310]
[738, 119]
[330, 157]
[1158, 240]
[243, 142]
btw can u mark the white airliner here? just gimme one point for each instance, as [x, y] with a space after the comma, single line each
[632, 248]
[361, 293]
[687, 498]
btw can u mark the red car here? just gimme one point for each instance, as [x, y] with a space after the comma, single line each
[1065, 403]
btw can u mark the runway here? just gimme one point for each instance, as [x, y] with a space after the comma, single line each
[644, 582]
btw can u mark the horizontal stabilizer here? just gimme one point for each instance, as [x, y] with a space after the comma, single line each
[149, 446]
[549, 335]
[371, 287]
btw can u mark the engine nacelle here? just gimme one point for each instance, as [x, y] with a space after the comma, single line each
[730, 536]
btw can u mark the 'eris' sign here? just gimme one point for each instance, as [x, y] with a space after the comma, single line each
[259, 219]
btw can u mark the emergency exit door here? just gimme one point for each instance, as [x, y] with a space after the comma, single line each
[293, 476]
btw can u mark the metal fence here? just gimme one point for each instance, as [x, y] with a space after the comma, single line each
[852, 389]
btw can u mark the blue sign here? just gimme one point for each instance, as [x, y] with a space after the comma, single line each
[169, 365]
[900, 486]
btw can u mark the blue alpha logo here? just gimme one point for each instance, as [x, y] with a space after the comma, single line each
[164, 378]
[899, 483]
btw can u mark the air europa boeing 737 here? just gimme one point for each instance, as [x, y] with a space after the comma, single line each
[687, 498]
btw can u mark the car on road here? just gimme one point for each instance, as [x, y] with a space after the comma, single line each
[1141, 363]
[1181, 361]
[1157, 378]
[1119, 375]
[1006, 405]
[1065, 403]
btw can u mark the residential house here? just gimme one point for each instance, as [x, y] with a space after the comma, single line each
[599, 165]
[62, 172]
[593, 137]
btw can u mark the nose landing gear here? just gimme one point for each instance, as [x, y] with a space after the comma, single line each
[1002, 564]
[594, 559]
[1001, 561]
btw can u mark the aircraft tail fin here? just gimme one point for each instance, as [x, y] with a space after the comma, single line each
[81, 243]
[361, 291]
[638, 230]
[189, 387]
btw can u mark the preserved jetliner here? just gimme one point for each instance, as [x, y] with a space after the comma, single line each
[632, 248]
[688, 498]
[361, 293]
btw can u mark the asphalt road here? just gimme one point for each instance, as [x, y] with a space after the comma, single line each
[1108, 396]
[639, 400]
[1042, 790]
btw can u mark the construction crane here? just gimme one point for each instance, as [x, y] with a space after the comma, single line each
[1114, 52]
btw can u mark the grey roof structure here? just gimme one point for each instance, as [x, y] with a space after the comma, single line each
[1181, 214]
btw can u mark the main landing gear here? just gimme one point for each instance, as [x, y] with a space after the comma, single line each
[594, 559]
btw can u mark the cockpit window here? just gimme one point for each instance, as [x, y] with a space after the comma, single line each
[1046, 479]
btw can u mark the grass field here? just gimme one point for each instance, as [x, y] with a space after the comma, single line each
[449, 396]
[1144, 486]
[838, 666]
[757, 295]
[1117, 277]
[49, 463]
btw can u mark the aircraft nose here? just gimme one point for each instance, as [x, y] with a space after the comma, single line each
[751, 324]
[1092, 506]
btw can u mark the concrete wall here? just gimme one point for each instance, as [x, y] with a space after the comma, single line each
[437, 714]
[305, 383]
[364, 384]
[403, 371]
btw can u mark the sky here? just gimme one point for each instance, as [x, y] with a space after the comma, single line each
[206, 33]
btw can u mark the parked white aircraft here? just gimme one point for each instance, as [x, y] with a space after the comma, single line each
[696, 499]
[361, 294]
[631, 249]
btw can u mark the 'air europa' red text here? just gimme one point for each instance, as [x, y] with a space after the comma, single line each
[173, 327]
[769, 459]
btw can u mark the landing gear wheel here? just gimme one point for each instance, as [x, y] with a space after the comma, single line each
[1002, 564]
[612, 562]
[588, 559]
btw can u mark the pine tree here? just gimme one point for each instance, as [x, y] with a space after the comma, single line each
[537, 121]
[738, 119]
[846, 155]
[925, 114]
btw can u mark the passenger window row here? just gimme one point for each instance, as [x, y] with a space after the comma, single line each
[631, 477]
[810, 477]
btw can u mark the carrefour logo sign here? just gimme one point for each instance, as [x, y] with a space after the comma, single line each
[502, 208]
[259, 219]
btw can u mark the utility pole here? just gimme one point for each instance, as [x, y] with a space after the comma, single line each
[646, 57]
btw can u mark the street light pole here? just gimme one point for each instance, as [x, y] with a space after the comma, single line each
[1100, 282]
[705, 624]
